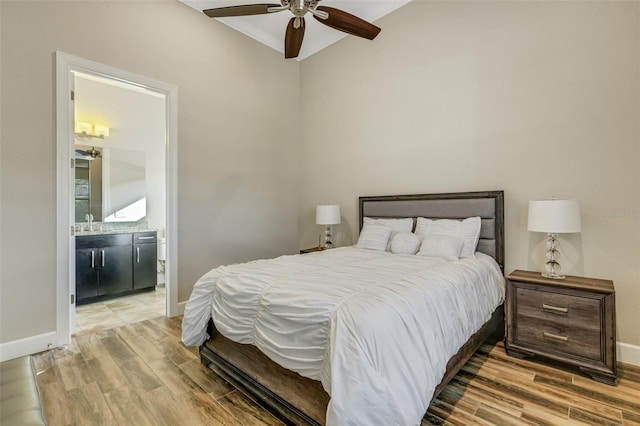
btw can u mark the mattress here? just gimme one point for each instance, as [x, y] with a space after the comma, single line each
[375, 328]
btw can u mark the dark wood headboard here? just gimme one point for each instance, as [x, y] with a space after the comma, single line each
[488, 205]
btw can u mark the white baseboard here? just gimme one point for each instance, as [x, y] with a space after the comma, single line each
[629, 354]
[181, 306]
[27, 346]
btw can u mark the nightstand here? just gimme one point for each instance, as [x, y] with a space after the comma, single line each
[311, 250]
[570, 320]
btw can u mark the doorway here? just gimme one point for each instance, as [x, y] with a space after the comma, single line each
[90, 100]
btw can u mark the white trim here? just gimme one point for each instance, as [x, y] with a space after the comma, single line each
[65, 242]
[26, 346]
[629, 354]
[171, 264]
[181, 307]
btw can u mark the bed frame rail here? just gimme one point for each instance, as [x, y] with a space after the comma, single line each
[297, 400]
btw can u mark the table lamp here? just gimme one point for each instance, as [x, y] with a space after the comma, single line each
[554, 217]
[327, 215]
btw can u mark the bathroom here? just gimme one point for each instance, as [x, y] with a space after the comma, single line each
[120, 202]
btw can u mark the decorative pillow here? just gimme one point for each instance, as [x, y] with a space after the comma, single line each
[447, 248]
[374, 237]
[405, 243]
[396, 225]
[468, 230]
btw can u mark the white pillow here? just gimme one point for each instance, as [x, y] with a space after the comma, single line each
[468, 230]
[405, 243]
[396, 225]
[447, 248]
[374, 237]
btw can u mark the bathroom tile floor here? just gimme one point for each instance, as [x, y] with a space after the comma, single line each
[114, 313]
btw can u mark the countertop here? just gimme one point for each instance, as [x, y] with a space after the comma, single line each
[114, 231]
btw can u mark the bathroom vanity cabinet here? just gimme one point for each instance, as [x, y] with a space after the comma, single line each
[145, 260]
[111, 265]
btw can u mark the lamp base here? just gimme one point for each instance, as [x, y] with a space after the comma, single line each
[552, 267]
[327, 237]
[553, 276]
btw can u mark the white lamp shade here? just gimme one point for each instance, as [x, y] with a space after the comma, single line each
[328, 214]
[554, 216]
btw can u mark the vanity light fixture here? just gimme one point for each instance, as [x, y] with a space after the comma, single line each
[86, 130]
[554, 217]
[100, 131]
[327, 215]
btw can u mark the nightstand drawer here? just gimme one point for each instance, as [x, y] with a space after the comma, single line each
[555, 336]
[559, 322]
[570, 309]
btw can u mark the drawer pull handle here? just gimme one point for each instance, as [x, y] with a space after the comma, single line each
[93, 259]
[102, 258]
[554, 308]
[555, 336]
[138, 254]
[146, 238]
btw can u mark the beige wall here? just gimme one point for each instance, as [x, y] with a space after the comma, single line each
[237, 172]
[538, 99]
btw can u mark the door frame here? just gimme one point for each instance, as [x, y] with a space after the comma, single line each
[66, 64]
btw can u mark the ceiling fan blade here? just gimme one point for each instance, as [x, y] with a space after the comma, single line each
[242, 10]
[293, 38]
[348, 23]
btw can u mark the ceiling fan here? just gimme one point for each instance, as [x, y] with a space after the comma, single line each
[329, 16]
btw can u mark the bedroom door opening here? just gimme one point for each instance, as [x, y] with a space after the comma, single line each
[118, 129]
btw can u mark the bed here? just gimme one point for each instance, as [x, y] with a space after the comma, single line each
[303, 400]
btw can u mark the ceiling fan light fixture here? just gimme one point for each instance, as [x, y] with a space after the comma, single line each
[329, 16]
[299, 8]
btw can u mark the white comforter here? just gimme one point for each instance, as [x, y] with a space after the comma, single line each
[377, 329]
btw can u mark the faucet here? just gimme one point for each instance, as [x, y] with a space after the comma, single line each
[89, 218]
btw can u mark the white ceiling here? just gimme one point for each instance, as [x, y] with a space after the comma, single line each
[269, 29]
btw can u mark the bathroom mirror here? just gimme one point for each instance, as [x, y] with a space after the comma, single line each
[110, 184]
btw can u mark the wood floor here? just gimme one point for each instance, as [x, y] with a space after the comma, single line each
[117, 312]
[141, 374]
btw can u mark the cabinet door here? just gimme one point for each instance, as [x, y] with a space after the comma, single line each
[86, 273]
[145, 259]
[116, 270]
